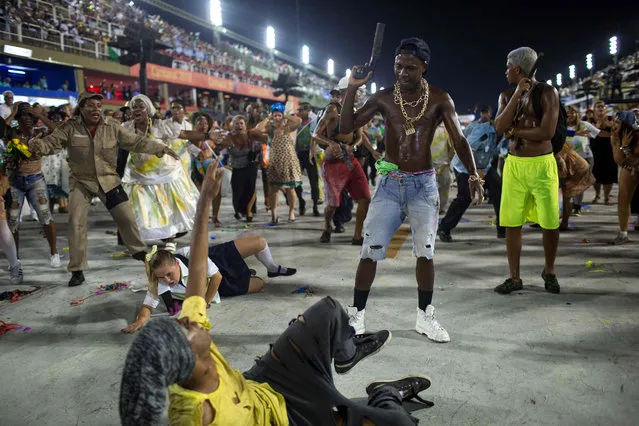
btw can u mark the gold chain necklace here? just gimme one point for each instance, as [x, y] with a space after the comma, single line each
[397, 99]
[409, 127]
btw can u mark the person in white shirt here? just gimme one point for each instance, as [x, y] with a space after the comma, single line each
[168, 275]
[6, 109]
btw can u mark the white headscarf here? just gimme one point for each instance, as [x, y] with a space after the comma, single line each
[150, 109]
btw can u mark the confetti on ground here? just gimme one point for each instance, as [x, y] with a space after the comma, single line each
[117, 286]
[598, 270]
[111, 232]
[4, 327]
[212, 237]
[119, 255]
[15, 295]
[65, 249]
[307, 290]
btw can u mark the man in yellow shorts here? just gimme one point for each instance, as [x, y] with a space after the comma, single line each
[530, 178]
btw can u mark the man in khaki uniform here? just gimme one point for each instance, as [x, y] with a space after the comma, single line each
[92, 144]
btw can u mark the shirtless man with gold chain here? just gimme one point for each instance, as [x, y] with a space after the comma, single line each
[412, 111]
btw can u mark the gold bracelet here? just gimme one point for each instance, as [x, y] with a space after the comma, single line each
[475, 178]
[510, 133]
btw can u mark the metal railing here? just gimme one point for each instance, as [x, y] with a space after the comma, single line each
[55, 40]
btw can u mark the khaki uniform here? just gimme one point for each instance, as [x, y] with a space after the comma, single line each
[92, 162]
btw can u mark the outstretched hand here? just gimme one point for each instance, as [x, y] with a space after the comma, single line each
[134, 327]
[212, 180]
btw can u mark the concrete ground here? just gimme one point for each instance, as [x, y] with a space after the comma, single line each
[527, 358]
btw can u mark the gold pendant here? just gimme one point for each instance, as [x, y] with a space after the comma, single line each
[409, 129]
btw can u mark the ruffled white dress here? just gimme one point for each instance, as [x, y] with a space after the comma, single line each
[162, 194]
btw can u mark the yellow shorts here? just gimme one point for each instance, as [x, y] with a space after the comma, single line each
[530, 192]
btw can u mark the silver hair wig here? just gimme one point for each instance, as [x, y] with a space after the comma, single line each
[523, 57]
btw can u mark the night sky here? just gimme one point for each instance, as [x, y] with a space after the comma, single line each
[469, 41]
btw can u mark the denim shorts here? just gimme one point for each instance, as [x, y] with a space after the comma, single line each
[396, 198]
[34, 189]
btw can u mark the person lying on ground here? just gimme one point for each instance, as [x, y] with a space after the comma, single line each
[228, 275]
[291, 384]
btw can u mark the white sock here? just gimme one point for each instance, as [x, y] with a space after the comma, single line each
[265, 257]
[623, 234]
[8, 244]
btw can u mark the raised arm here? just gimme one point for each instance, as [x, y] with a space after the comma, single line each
[351, 120]
[294, 122]
[546, 130]
[199, 252]
[506, 112]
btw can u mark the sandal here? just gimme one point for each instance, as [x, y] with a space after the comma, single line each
[274, 222]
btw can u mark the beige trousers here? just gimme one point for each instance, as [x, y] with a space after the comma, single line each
[79, 205]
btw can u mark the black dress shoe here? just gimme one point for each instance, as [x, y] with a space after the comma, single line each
[77, 278]
[316, 212]
[302, 207]
[279, 273]
[339, 229]
[237, 216]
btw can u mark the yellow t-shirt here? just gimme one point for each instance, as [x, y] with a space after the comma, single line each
[236, 401]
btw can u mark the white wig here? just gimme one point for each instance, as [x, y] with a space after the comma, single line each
[148, 105]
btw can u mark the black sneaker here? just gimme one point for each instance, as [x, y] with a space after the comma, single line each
[316, 211]
[444, 236]
[509, 286]
[339, 229]
[365, 346]
[550, 282]
[77, 278]
[408, 387]
[326, 237]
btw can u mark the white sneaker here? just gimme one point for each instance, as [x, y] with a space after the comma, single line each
[16, 274]
[428, 325]
[356, 319]
[55, 261]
